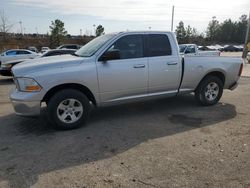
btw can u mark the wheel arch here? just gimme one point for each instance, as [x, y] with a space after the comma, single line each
[217, 73]
[76, 86]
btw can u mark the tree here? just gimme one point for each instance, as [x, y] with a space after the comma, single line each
[227, 32]
[5, 25]
[241, 29]
[180, 32]
[213, 29]
[58, 33]
[190, 34]
[99, 30]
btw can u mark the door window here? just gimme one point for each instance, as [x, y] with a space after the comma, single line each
[158, 45]
[9, 53]
[130, 46]
[22, 52]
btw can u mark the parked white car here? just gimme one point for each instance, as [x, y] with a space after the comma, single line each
[45, 49]
[16, 54]
[192, 50]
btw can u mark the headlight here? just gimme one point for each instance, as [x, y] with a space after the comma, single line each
[27, 85]
[6, 65]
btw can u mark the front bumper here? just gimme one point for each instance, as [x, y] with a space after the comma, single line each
[27, 108]
[25, 103]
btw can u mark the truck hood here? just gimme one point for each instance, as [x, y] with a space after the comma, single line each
[45, 63]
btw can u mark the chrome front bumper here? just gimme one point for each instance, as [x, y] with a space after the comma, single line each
[25, 103]
[26, 108]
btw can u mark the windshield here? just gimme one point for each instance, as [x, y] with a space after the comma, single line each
[182, 48]
[93, 46]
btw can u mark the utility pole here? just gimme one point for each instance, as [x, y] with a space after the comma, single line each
[94, 29]
[244, 55]
[172, 23]
[21, 27]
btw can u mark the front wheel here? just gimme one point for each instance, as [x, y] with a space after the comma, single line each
[68, 109]
[209, 91]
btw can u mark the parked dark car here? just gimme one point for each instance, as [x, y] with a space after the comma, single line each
[230, 48]
[70, 46]
[58, 52]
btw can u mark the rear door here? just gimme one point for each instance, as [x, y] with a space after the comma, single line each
[125, 78]
[164, 65]
[23, 54]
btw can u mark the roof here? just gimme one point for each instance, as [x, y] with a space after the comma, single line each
[142, 32]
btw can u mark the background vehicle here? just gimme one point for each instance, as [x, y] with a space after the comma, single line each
[33, 49]
[5, 68]
[58, 52]
[16, 54]
[44, 49]
[231, 48]
[70, 46]
[118, 68]
[192, 50]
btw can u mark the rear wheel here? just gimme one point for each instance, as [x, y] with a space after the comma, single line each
[68, 109]
[209, 91]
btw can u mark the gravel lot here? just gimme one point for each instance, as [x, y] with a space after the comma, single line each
[162, 143]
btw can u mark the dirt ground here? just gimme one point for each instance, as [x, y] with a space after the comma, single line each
[162, 143]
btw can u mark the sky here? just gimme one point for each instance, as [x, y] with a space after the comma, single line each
[80, 16]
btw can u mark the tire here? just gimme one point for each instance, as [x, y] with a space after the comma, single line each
[68, 109]
[209, 91]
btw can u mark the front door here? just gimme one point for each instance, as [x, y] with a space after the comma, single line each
[127, 77]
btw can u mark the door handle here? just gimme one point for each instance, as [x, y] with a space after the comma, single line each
[172, 63]
[139, 66]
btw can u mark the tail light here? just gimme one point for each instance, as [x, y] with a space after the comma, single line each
[241, 68]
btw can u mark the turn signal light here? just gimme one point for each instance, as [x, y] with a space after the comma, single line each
[33, 88]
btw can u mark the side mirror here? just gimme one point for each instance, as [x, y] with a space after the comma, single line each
[110, 55]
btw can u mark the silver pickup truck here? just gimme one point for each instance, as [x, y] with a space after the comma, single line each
[117, 68]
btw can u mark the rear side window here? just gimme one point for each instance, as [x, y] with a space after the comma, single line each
[51, 53]
[22, 52]
[71, 47]
[68, 52]
[158, 45]
[130, 46]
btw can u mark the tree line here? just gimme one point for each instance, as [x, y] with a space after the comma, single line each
[58, 32]
[226, 32]
[56, 35]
